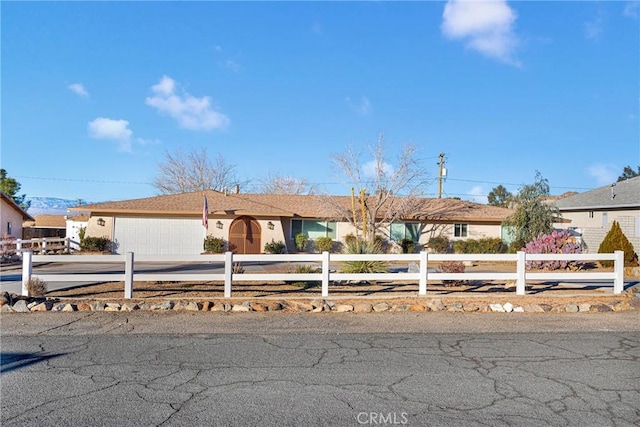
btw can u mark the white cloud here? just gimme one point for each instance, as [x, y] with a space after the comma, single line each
[78, 89]
[370, 169]
[487, 26]
[478, 195]
[232, 65]
[190, 112]
[362, 107]
[110, 129]
[604, 174]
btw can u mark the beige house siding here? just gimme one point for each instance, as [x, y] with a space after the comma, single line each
[8, 215]
[594, 226]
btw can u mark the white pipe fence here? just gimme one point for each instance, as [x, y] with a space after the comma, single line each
[37, 245]
[326, 276]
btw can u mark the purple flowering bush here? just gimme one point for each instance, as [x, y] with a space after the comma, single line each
[557, 242]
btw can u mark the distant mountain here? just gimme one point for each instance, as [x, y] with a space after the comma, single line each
[50, 205]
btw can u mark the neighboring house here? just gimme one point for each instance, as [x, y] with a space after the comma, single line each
[11, 218]
[45, 226]
[74, 226]
[592, 213]
[173, 224]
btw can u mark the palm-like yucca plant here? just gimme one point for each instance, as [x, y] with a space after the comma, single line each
[360, 246]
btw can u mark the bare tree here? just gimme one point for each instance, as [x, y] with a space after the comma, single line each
[279, 184]
[193, 171]
[385, 192]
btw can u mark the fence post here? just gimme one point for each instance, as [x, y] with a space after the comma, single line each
[19, 245]
[27, 270]
[422, 284]
[618, 268]
[228, 273]
[521, 269]
[128, 275]
[325, 274]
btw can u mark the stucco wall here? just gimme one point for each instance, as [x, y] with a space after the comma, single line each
[595, 229]
[9, 215]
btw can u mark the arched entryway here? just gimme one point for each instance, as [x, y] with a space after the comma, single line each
[244, 236]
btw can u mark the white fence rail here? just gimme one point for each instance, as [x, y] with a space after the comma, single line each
[38, 245]
[228, 259]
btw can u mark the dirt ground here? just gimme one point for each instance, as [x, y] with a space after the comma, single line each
[482, 292]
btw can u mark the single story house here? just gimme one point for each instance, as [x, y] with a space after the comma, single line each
[592, 213]
[174, 224]
[45, 226]
[75, 226]
[11, 218]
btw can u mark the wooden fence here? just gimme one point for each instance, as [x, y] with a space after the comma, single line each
[422, 261]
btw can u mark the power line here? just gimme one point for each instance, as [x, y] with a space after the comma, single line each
[83, 180]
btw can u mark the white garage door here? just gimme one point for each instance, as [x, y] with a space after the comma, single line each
[167, 236]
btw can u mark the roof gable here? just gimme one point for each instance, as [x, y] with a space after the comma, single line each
[620, 195]
[13, 205]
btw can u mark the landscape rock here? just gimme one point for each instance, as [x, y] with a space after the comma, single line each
[166, 305]
[343, 308]
[5, 298]
[508, 307]
[129, 306]
[435, 305]
[401, 307]
[533, 308]
[258, 306]
[601, 308]
[584, 307]
[98, 306]
[382, 306]
[112, 306]
[20, 306]
[572, 308]
[69, 307]
[6, 309]
[363, 308]
[298, 306]
[43, 306]
[518, 309]
[239, 308]
[498, 308]
[456, 307]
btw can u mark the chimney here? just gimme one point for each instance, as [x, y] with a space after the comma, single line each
[236, 189]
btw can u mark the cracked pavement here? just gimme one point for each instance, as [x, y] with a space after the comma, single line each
[427, 369]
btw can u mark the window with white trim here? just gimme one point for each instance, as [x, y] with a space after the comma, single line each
[460, 230]
[313, 229]
[404, 230]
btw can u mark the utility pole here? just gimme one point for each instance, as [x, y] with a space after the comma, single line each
[441, 175]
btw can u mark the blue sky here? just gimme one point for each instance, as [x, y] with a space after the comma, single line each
[94, 93]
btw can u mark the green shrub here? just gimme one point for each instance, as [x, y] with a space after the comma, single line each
[451, 267]
[615, 240]
[96, 244]
[323, 244]
[439, 245]
[408, 246]
[516, 246]
[274, 247]
[479, 246]
[301, 240]
[306, 269]
[360, 246]
[214, 245]
[350, 239]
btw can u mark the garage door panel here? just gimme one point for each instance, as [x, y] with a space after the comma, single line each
[168, 236]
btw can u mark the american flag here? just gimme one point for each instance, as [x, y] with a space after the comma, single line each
[205, 214]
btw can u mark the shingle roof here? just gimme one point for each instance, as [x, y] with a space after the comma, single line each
[306, 206]
[49, 221]
[621, 195]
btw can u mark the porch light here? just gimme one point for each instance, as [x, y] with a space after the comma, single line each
[101, 222]
[219, 224]
[270, 225]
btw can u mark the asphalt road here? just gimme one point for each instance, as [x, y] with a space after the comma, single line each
[419, 369]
